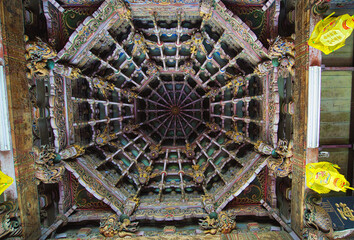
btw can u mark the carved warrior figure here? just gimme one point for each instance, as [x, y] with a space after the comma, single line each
[237, 137]
[214, 223]
[152, 68]
[139, 44]
[10, 223]
[197, 40]
[205, 10]
[213, 93]
[121, 226]
[102, 85]
[38, 54]
[47, 168]
[315, 215]
[104, 137]
[129, 94]
[187, 68]
[236, 83]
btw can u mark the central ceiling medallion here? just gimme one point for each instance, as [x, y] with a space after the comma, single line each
[175, 110]
[172, 110]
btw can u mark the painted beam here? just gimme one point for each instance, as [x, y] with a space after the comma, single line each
[324, 68]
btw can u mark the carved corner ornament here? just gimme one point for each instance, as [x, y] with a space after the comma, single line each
[48, 166]
[189, 150]
[279, 160]
[39, 56]
[281, 55]
[10, 222]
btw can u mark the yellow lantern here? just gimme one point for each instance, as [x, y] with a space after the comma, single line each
[323, 177]
[5, 182]
[330, 33]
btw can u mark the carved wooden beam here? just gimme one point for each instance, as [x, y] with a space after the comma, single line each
[60, 220]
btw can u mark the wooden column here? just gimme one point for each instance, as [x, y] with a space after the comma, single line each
[12, 27]
[305, 57]
[302, 27]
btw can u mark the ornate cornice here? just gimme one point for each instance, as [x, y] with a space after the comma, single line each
[86, 33]
[247, 174]
[97, 187]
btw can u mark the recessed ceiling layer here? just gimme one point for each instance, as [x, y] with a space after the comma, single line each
[166, 107]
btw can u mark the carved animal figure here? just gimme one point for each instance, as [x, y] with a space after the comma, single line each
[286, 66]
[313, 234]
[209, 225]
[46, 171]
[37, 55]
[315, 215]
[40, 68]
[111, 227]
[49, 174]
[38, 51]
[263, 68]
[226, 223]
[222, 223]
[281, 47]
[10, 226]
[281, 167]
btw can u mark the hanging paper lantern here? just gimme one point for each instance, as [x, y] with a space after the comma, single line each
[5, 182]
[330, 33]
[323, 177]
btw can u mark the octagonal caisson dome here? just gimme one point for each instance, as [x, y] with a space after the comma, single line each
[167, 108]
